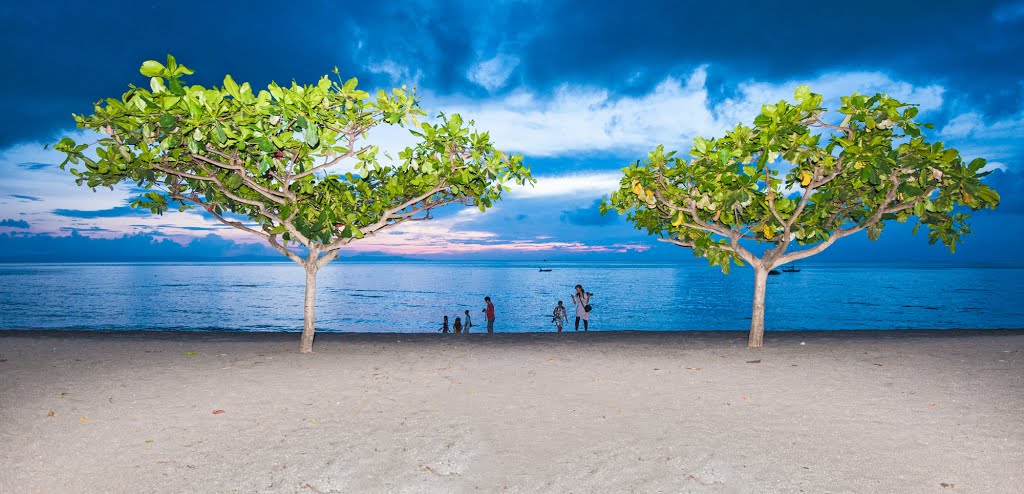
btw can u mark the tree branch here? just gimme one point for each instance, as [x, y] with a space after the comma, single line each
[272, 239]
[329, 163]
[269, 194]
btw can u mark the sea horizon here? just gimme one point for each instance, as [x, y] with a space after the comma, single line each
[413, 296]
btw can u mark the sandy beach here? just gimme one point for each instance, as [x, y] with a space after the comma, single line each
[598, 412]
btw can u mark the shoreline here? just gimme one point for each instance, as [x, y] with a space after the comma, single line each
[598, 335]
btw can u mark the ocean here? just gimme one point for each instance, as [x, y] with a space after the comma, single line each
[414, 296]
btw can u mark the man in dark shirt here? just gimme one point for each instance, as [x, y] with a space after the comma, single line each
[489, 313]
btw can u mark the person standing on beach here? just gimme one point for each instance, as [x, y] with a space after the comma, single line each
[469, 323]
[558, 316]
[444, 326]
[489, 314]
[457, 328]
[582, 300]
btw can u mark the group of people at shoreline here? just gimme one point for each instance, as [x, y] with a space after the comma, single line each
[460, 327]
[580, 298]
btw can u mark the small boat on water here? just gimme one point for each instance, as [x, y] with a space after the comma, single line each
[774, 272]
[542, 270]
[791, 269]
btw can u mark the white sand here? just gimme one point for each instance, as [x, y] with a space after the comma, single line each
[597, 412]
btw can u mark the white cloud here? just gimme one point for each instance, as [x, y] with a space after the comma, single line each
[575, 185]
[998, 141]
[973, 124]
[492, 74]
[399, 74]
[458, 234]
[575, 119]
[55, 189]
[751, 95]
[962, 125]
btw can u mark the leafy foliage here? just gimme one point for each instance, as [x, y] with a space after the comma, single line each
[795, 180]
[269, 155]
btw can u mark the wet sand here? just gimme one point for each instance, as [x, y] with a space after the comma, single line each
[618, 412]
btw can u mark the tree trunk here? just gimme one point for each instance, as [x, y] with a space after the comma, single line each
[309, 310]
[756, 337]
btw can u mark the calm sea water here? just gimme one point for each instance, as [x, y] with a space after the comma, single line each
[413, 297]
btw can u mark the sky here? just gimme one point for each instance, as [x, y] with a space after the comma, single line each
[581, 89]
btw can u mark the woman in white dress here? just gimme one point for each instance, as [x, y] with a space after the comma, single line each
[582, 300]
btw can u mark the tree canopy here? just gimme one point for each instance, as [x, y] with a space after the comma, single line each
[269, 155]
[267, 162]
[797, 181]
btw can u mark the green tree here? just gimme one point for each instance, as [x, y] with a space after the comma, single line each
[265, 163]
[793, 184]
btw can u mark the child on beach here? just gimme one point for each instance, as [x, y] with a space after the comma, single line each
[457, 328]
[558, 316]
[469, 323]
[444, 326]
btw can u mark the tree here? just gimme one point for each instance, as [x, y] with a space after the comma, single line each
[266, 163]
[794, 184]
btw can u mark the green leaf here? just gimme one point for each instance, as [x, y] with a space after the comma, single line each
[312, 137]
[231, 86]
[152, 68]
[802, 93]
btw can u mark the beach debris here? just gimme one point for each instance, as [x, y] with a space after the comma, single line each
[50, 413]
[431, 470]
[63, 394]
[218, 411]
[877, 365]
[802, 343]
[83, 420]
[695, 368]
[312, 421]
[758, 361]
[551, 359]
[149, 441]
[933, 405]
[947, 486]
[189, 354]
[307, 486]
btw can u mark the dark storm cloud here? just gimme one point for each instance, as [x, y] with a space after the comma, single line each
[101, 213]
[61, 58]
[26, 198]
[34, 166]
[140, 247]
[609, 42]
[9, 223]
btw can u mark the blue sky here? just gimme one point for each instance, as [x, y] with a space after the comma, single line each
[580, 88]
